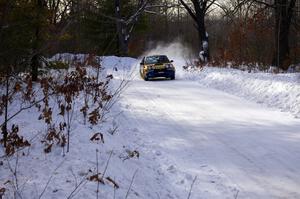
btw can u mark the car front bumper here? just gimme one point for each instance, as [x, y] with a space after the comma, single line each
[160, 73]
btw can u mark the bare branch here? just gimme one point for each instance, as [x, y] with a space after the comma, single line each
[191, 13]
[49, 180]
[132, 179]
[190, 192]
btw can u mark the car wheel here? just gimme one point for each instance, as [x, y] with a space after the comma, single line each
[172, 77]
[146, 78]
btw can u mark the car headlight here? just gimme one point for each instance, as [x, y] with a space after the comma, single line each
[150, 67]
[169, 66]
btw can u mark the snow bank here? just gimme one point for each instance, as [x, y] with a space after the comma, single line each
[274, 90]
[53, 175]
[107, 61]
[120, 67]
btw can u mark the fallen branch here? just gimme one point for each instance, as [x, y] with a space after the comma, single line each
[190, 192]
[49, 180]
[132, 179]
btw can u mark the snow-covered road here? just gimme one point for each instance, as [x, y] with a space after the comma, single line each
[233, 146]
[163, 135]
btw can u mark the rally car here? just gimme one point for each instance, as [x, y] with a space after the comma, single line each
[157, 66]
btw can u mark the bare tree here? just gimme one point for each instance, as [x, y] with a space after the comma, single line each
[36, 58]
[48, 13]
[198, 10]
[126, 25]
[283, 12]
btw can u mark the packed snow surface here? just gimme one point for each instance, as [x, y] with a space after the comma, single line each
[213, 127]
[234, 146]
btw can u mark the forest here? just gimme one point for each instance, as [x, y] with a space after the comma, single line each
[248, 31]
[77, 121]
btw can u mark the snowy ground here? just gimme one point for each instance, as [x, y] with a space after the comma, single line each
[183, 130]
[232, 145]
[229, 143]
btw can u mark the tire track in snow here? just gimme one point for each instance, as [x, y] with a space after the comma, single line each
[260, 185]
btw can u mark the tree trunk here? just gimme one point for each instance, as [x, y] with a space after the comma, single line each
[283, 17]
[203, 37]
[35, 60]
[198, 13]
[123, 35]
[4, 127]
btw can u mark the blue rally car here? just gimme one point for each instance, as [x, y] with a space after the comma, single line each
[157, 66]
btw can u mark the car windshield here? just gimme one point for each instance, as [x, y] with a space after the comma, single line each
[156, 59]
